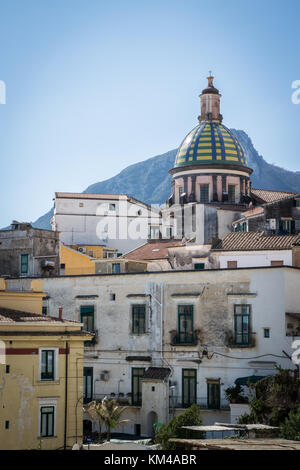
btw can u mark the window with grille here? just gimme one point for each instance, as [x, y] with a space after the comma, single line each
[48, 364]
[138, 319]
[231, 193]
[87, 384]
[213, 395]
[87, 317]
[24, 264]
[242, 324]
[189, 387]
[204, 193]
[47, 421]
[185, 324]
[136, 385]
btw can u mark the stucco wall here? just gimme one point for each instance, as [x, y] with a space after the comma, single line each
[213, 294]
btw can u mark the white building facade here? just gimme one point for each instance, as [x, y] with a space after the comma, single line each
[166, 340]
[114, 220]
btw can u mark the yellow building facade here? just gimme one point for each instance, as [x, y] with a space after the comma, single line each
[74, 262]
[27, 301]
[41, 381]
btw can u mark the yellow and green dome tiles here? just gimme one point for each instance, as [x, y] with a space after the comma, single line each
[210, 142]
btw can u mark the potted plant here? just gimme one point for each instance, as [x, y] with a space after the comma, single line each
[112, 394]
[235, 394]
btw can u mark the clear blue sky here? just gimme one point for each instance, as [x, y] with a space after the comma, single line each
[94, 86]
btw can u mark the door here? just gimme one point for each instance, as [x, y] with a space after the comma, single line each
[189, 387]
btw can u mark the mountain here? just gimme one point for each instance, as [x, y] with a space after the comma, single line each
[150, 182]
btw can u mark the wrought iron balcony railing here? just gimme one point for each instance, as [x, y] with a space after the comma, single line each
[183, 338]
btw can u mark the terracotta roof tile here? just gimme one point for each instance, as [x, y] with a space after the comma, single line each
[17, 316]
[157, 373]
[268, 195]
[244, 241]
[153, 250]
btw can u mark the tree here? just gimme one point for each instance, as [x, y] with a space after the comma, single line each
[108, 413]
[191, 417]
[274, 398]
[290, 429]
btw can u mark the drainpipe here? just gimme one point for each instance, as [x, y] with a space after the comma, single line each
[66, 395]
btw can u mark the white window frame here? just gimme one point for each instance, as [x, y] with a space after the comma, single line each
[56, 355]
[44, 402]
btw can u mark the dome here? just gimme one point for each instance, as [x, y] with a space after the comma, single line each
[210, 143]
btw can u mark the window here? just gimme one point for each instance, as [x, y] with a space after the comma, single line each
[87, 317]
[48, 364]
[199, 266]
[189, 387]
[112, 297]
[6, 424]
[266, 332]
[297, 202]
[81, 204]
[204, 193]
[44, 310]
[213, 395]
[154, 232]
[277, 263]
[242, 324]
[112, 207]
[87, 384]
[136, 385]
[7, 369]
[138, 319]
[231, 193]
[185, 324]
[231, 264]
[24, 264]
[286, 226]
[116, 268]
[47, 415]
[168, 232]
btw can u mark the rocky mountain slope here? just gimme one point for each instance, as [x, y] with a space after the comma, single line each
[150, 182]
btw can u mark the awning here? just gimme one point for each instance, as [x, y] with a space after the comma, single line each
[250, 379]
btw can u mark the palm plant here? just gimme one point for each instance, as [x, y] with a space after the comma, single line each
[106, 412]
[110, 412]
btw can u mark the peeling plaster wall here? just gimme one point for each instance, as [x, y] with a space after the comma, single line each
[213, 294]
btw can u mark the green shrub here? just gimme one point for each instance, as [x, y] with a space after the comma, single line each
[290, 429]
[191, 417]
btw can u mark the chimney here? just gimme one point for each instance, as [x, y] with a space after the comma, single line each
[60, 311]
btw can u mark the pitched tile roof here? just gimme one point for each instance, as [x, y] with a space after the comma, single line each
[268, 195]
[17, 316]
[157, 373]
[245, 241]
[254, 211]
[152, 250]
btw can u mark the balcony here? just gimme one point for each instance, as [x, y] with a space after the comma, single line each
[201, 402]
[122, 399]
[245, 340]
[183, 338]
[94, 339]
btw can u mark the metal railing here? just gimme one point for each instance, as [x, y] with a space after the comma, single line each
[123, 399]
[183, 338]
[243, 340]
[201, 402]
[94, 339]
